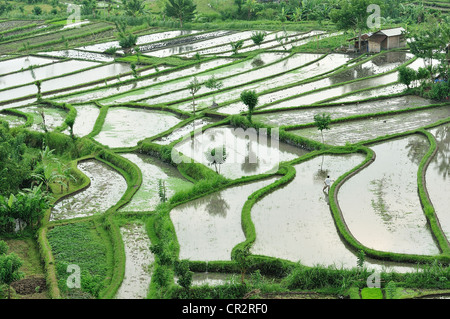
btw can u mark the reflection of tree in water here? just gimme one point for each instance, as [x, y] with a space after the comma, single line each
[442, 157]
[354, 73]
[251, 163]
[390, 57]
[417, 148]
[257, 62]
[215, 204]
[321, 173]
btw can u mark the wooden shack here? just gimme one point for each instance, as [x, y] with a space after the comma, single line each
[386, 39]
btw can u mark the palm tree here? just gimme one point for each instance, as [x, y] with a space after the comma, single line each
[183, 10]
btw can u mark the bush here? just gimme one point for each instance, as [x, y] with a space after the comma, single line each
[439, 91]
[406, 75]
[37, 10]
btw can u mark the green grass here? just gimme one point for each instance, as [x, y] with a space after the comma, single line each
[324, 45]
[371, 293]
[27, 250]
[172, 61]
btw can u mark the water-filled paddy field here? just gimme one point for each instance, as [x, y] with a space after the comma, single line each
[437, 176]
[124, 127]
[380, 204]
[267, 193]
[359, 130]
[247, 152]
[208, 228]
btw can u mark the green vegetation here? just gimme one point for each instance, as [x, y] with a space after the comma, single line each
[9, 267]
[87, 250]
[37, 170]
[322, 121]
[250, 99]
[193, 87]
[182, 10]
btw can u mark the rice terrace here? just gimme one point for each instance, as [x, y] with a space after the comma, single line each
[224, 149]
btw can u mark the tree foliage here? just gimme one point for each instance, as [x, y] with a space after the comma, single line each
[322, 121]
[258, 37]
[9, 267]
[26, 207]
[236, 46]
[352, 15]
[17, 161]
[194, 86]
[406, 75]
[249, 98]
[134, 7]
[213, 84]
[182, 10]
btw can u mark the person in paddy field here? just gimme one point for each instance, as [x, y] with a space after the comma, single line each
[327, 182]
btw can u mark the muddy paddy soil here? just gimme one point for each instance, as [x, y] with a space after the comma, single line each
[167, 48]
[225, 49]
[12, 120]
[101, 47]
[306, 115]
[138, 262]
[30, 288]
[106, 188]
[362, 130]
[54, 117]
[182, 49]
[76, 54]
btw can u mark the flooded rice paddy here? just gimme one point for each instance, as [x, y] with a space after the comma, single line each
[380, 204]
[366, 129]
[23, 63]
[86, 117]
[247, 153]
[124, 127]
[209, 227]
[45, 117]
[294, 222]
[43, 72]
[437, 177]
[306, 115]
[183, 131]
[147, 197]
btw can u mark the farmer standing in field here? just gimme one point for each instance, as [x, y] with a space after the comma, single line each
[327, 182]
